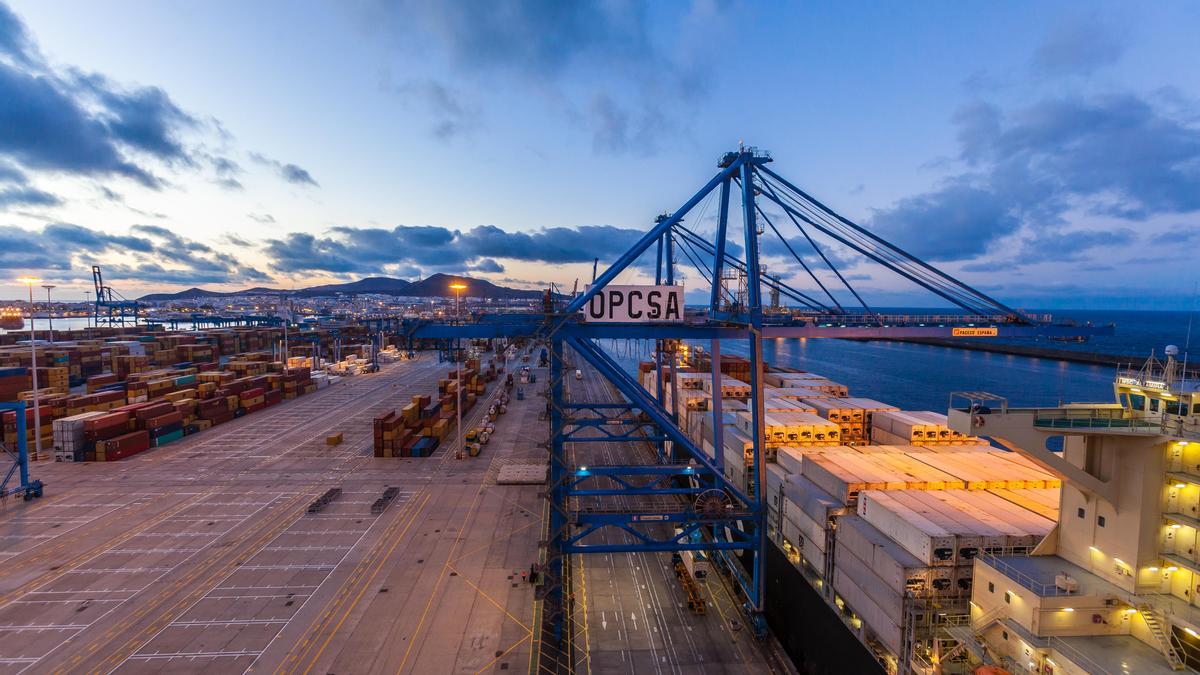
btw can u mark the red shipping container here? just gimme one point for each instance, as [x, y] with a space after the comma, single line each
[162, 420]
[154, 410]
[272, 397]
[126, 445]
[252, 393]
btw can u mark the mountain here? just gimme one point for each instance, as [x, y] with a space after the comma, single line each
[380, 285]
[434, 286]
[438, 285]
[200, 293]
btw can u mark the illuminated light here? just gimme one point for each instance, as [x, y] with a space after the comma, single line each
[1068, 609]
[1191, 632]
[1131, 610]
[1152, 569]
[1175, 526]
[583, 468]
[1135, 390]
[1093, 548]
[1181, 485]
[1181, 444]
[1172, 568]
[1119, 561]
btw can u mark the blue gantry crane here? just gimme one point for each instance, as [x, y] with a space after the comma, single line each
[27, 487]
[707, 511]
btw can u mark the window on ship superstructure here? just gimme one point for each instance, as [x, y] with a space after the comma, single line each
[1137, 402]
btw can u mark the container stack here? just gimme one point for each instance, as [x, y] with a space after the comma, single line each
[915, 428]
[886, 510]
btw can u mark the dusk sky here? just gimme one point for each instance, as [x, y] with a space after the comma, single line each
[1048, 153]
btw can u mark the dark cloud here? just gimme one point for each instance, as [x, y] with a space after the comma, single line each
[1117, 155]
[16, 191]
[349, 250]
[26, 196]
[145, 119]
[14, 39]
[1079, 45]
[82, 123]
[487, 265]
[294, 174]
[289, 172]
[149, 253]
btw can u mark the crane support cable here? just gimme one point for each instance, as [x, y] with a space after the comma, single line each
[812, 242]
[972, 302]
[887, 257]
[798, 258]
[783, 288]
[847, 223]
[892, 258]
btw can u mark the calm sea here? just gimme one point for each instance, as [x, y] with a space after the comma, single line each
[921, 377]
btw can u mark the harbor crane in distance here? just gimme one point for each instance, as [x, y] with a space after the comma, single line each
[112, 308]
[709, 512]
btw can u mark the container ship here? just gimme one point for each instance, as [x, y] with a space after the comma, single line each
[11, 318]
[984, 539]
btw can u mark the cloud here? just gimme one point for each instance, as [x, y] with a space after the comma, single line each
[453, 116]
[289, 172]
[227, 171]
[26, 196]
[598, 61]
[147, 254]
[16, 191]
[1119, 156]
[72, 122]
[264, 218]
[487, 265]
[1079, 45]
[346, 250]
[14, 39]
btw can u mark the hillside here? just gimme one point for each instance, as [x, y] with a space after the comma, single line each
[434, 286]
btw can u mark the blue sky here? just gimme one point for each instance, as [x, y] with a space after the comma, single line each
[1048, 153]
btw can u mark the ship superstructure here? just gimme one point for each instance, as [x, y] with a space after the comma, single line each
[1113, 589]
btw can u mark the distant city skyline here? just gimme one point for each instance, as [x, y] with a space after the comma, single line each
[1048, 154]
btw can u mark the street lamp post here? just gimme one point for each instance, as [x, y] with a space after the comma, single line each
[458, 288]
[49, 314]
[37, 410]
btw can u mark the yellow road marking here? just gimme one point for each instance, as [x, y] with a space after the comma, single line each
[489, 598]
[371, 561]
[502, 654]
[441, 577]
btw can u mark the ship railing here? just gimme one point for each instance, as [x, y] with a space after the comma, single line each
[1039, 587]
[1089, 418]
